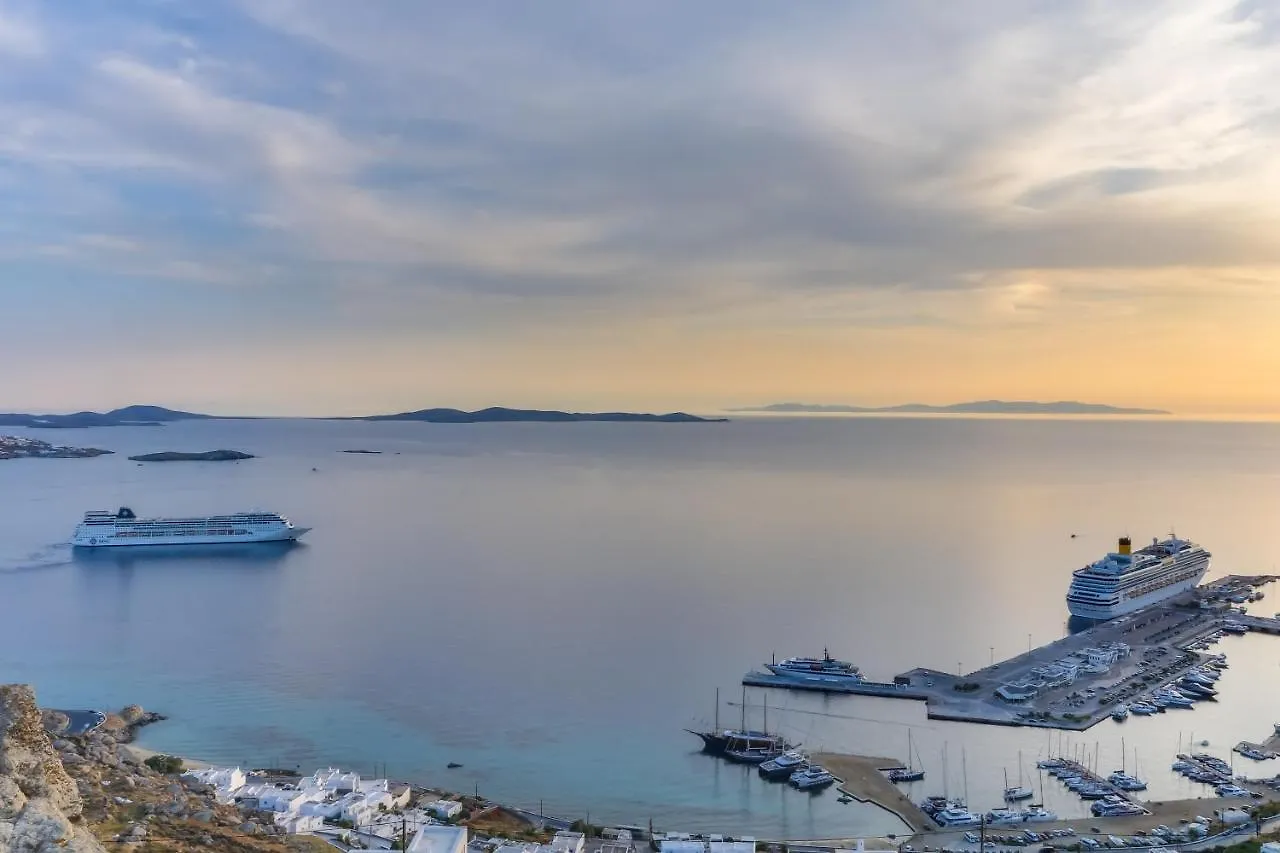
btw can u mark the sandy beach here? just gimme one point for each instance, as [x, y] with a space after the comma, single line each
[141, 753]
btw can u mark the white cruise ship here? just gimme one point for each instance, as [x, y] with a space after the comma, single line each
[1128, 580]
[100, 529]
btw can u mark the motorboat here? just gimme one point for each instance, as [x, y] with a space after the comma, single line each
[1038, 814]
[957, 816]
[1004, 816]
[1142, 709]
[812, 777]
[1120, 713]
[783, 766]
[1196, 689]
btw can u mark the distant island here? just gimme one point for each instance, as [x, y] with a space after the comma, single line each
[158, 416]
[127, 416]
[16, 447]
[980, 407]
[498, 414]
[207, 456]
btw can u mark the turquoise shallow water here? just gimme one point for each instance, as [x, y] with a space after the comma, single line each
[552, 604]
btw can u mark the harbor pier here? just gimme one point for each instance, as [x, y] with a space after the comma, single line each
[1079, 680]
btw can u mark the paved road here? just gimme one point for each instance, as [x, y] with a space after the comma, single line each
[83, 722]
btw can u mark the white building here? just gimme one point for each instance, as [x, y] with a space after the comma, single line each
[439, 839]
[329, 794]
[568, 842]
[223, 780]
[444, 809]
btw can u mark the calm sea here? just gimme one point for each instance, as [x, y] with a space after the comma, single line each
[551, 605]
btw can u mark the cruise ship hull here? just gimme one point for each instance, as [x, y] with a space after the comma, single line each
[1093, 611]
[282, 534]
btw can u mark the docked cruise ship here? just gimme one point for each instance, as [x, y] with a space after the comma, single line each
[1128, 580]
[100, 529]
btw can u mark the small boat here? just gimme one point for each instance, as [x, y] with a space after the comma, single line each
[1196, 689]
[1018, 793]
[812, 777]
[1120, 713]
[1038, 814]
[783, 766]
[908, 773]
[957, 815]
[1004, 816]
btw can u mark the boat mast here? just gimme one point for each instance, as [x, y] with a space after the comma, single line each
[765, 725]
[910, 763]
[744, 707]
[717, 728]
[945, 772]
[964, 770]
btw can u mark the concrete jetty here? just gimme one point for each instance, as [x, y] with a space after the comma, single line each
[863, 778]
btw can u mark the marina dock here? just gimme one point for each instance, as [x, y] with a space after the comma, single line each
[1077, 681]
[863, 778]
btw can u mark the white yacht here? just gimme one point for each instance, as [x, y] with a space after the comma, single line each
[956, 815]
[813, 776]
[1128, 580]
[123, 527]
[825, 668]
[1017, 793]
[1038, 814]
[1004, 816]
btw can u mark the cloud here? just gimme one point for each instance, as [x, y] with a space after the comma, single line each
[18, 37]
[470, 168]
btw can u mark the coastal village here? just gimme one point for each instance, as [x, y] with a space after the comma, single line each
[70, 781]
[20, 447]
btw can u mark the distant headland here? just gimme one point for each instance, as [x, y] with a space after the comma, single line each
[127, 416]
[980, 407]
[158, 416]
[498, 414]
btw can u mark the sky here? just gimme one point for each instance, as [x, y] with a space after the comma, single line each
[335, 207]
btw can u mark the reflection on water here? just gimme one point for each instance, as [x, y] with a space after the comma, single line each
[230, 556]
[1076, 624]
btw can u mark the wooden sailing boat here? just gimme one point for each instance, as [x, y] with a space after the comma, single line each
[910, 773]
[718, 740]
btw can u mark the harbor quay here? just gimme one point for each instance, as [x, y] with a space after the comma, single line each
[1077, 681]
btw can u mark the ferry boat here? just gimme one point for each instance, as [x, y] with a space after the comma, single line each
[101, 529]
[1128, 580]
[825, 668]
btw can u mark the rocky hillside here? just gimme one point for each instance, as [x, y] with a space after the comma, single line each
[76, 794]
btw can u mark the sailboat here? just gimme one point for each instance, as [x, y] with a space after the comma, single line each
[749, 751]
[718, 740]
[1018, 792]
[908, 773]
